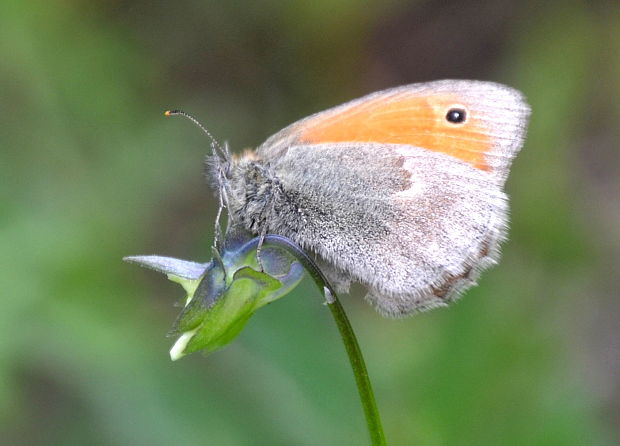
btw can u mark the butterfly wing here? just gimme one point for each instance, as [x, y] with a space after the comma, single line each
[389, 193]
[414, 228]
[415, 115]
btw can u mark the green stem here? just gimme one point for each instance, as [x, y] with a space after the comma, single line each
[362, 380]
[356, 359]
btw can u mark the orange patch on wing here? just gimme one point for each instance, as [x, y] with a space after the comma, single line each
[415, 120]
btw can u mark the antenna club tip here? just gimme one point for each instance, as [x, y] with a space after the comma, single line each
[167, 113]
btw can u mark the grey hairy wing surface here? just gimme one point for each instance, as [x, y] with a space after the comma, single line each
[411, 225]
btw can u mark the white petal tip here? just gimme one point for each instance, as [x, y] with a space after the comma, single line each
[176, 352]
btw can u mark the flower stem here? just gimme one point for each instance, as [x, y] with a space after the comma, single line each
[373, 421]
[364, 388]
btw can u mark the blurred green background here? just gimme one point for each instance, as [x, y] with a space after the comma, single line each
[91, 171]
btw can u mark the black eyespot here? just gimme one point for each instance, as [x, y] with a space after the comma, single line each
[456, 115]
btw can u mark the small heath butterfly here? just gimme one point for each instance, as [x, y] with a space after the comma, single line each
[400, 190]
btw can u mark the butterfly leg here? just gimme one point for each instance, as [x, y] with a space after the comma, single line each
[218, 229]
[261, 240]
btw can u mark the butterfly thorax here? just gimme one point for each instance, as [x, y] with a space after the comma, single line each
[252, 189]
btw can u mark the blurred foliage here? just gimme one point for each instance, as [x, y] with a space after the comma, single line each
[92, 172]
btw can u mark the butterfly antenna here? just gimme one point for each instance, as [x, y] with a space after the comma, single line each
[214, 143]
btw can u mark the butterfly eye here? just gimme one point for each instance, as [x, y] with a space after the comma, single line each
[456, 115]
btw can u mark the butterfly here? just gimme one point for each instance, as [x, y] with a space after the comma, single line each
[400, 190]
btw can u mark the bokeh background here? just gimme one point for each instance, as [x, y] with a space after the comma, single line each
[91, 171]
